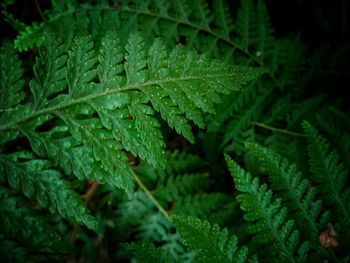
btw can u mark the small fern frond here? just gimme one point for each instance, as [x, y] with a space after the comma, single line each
[131, 212]
[16, 220]
[329, 174]
[255, 30]
[245, 23]
[181, 185]
[203, 17]
[50, 73]
[336, 124]
[11, 76]
[183, 162]
[264, 41]
[37, 181]
[239, 127]
[110, 58]
[209, 242]
[200, 205]
[269, 222]
[285, 59]
[154, 228]
[222, 18]
[148, 253]
[29, 37]
[294, 191]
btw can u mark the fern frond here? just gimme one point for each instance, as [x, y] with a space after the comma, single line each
[189, 71]
[16, 220]
[269, 222]
[285, 59]
[37, 181]
[80, 68]
[328, 173]
[245, 23]
[176, 249]
[335, 123]
[203, 17]
[18, 253]
[183, 162]
[254, 30]
[72, 109]
[147, 253]
[200, 205]
[110, 58]
[138, 217]
[181, 185]
[209, 242]
[294, 191]
[264, 41]
[29, 37]
[131, 212]
[11, 76]
[50, 73]
[154, 228]
[222, 18]
[240, 126]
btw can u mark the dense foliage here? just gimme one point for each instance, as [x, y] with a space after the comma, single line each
[170, 131]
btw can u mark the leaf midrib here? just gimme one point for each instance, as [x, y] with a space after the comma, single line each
[131, 87]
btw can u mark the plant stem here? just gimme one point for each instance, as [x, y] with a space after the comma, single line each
[88, 195]
[149, 194]
[262, 125]
[40, 11]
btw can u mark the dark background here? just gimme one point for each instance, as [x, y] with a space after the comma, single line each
[317, 21]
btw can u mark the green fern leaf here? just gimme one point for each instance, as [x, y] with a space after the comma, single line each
[209, 242]
[335, 123]
[222, 18]
[80, 68]
[182, 162]
[110, 59]
[38, 181]
[268, 218]
[240, 127]
[188, 84]
[181, 9]
[154, 228]
[265, 30]
[181, 185]
[171, 96]
[131, 212]
[84, 125]
[203, 16]
[329, 173]
[11, 76]
[147, 253]
[200, 205]
[49, 71]
[287, 56]
[16, 220]
[246, 23]
[29, 37]
[288, 183]
[18, 253]
[135, 60]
